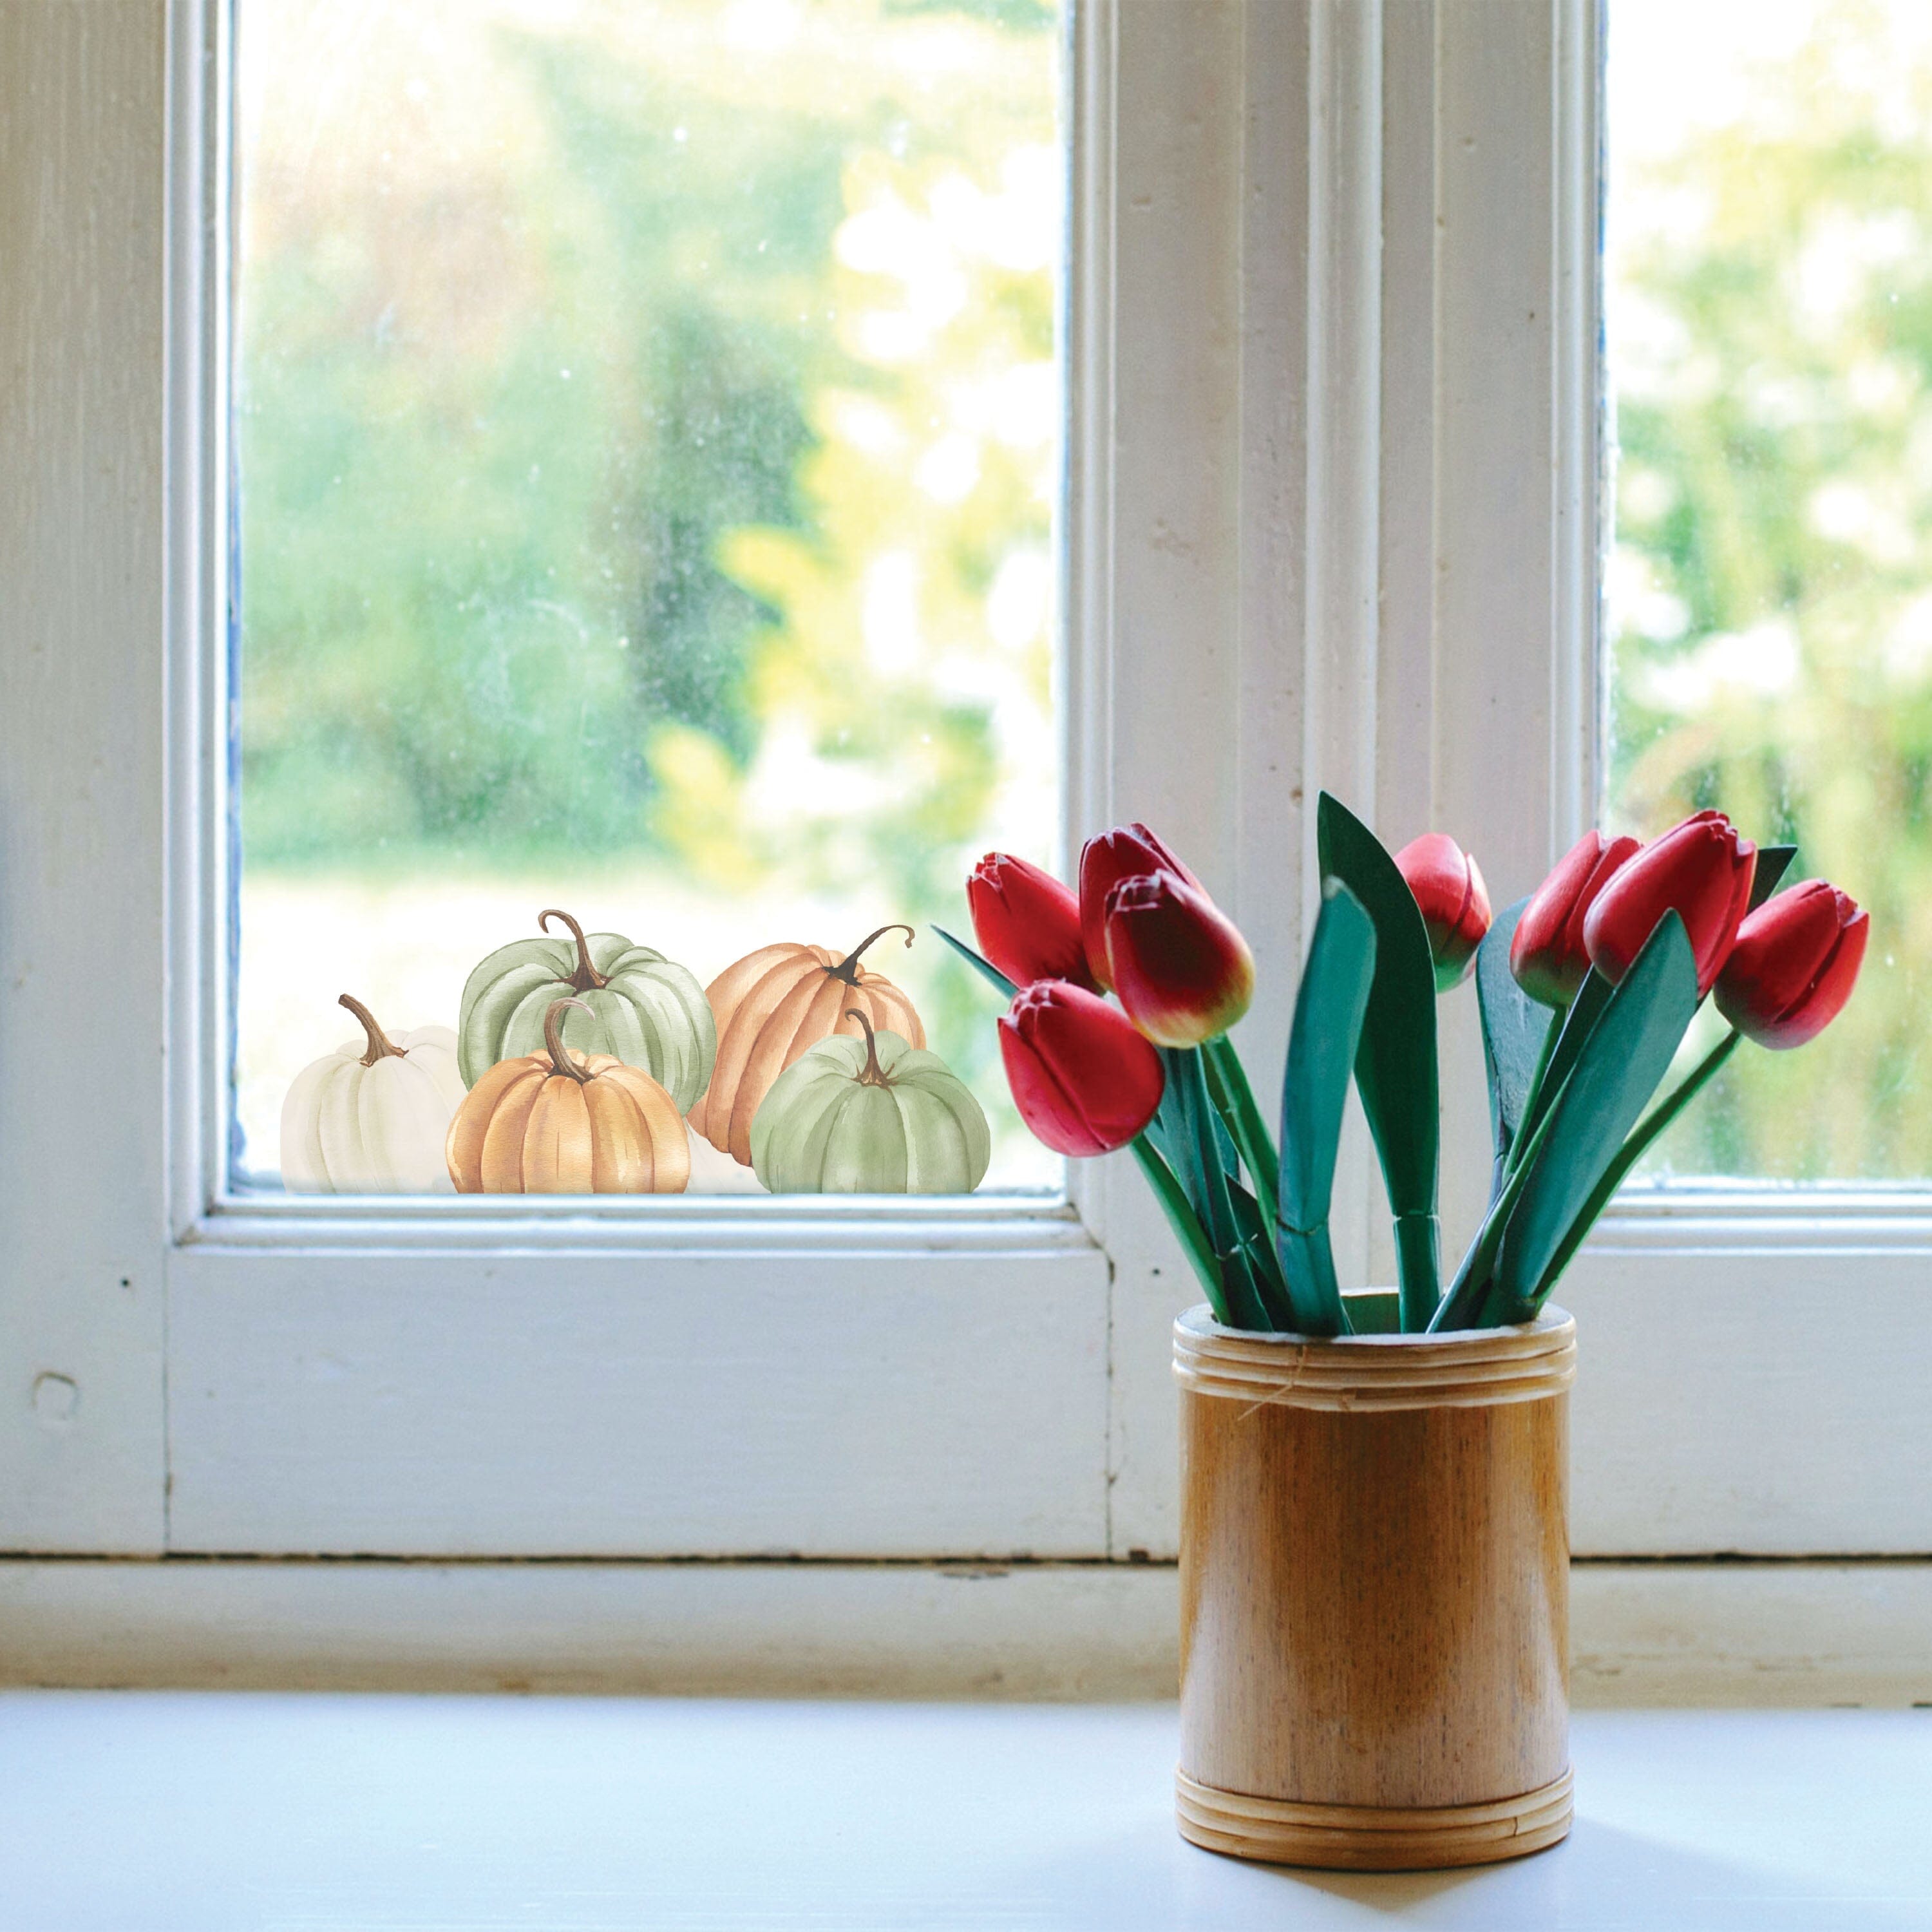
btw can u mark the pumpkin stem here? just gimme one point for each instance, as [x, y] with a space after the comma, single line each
[560, 1060]
[848, 968]
[586, 978]
[381, 1046]
[872, 1074]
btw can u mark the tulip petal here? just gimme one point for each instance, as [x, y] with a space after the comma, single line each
[1084, 1080]
[1027, 922]
[1126, 852]
[1448, 888]
[1794, 965]
[1178, 965]
[1702, 869]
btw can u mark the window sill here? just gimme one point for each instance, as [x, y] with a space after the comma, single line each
[198, 1810]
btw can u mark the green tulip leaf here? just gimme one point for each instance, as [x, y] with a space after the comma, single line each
[1773, 861]
[1329, 1010]
[1197, 1148]
[1395, 1065]
[1578, 1025]
[979, 964]
[1257, 1254]
[1187, 1225]
[1514, 1029]
[1171, 1137]
[1610, 1082]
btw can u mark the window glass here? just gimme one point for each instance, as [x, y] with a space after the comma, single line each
[1768, 594]
[647, 419]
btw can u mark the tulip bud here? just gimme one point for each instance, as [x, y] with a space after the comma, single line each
[1546, 955]
[1085, 1081]
[1181, 970]
[1027, 922]
[1127, 852]
[1702, 870]
[1447, 885]
[1795, 964]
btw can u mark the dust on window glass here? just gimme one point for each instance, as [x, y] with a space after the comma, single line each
[647, 417]
[1768, 290]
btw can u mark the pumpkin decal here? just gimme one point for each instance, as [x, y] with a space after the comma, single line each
[562, 1123]
[370, 1118]
[879, 1117]
[633, 1005]
[772, 1005]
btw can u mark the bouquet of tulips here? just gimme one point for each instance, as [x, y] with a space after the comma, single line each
[1586, 989]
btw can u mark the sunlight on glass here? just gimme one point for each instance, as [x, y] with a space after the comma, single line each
[1768, 601]
[647, 418]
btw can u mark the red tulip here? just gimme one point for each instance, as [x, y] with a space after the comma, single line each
[1447, 885]
[1085, 1081]
[1028, 922]
[1796, 962]
[1546, 955]
[1182, 971]
[1127, 852]
[1701, 869]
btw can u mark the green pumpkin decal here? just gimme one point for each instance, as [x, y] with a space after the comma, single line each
[879, 1116]
[638, 1007]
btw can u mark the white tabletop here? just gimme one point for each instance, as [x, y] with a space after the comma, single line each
[149, 1812]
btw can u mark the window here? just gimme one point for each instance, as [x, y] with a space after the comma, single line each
[1329, 516]
[1769, 618]
[646, 436]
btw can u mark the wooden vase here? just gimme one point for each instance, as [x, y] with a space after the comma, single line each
[1375, 1594]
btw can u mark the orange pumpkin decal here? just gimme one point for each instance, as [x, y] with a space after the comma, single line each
[563, 1123]
[770, 1006]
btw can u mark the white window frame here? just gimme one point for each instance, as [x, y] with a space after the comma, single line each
[1334, 454]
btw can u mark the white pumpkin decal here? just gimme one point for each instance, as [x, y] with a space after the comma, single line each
[371, 1117]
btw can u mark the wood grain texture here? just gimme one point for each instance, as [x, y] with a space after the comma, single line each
[1378, 1372]
[1362, 1837]
[1375, 1602]
[82, 1103]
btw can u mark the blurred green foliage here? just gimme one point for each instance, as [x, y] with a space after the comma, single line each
[1770, 587]
[638, 433]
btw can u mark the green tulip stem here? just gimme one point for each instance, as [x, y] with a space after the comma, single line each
[1236, 1100]
[1186, 1224]
[1211, 1192]
[1458, 1308]
[1532, 1098]
[1636, 1146]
